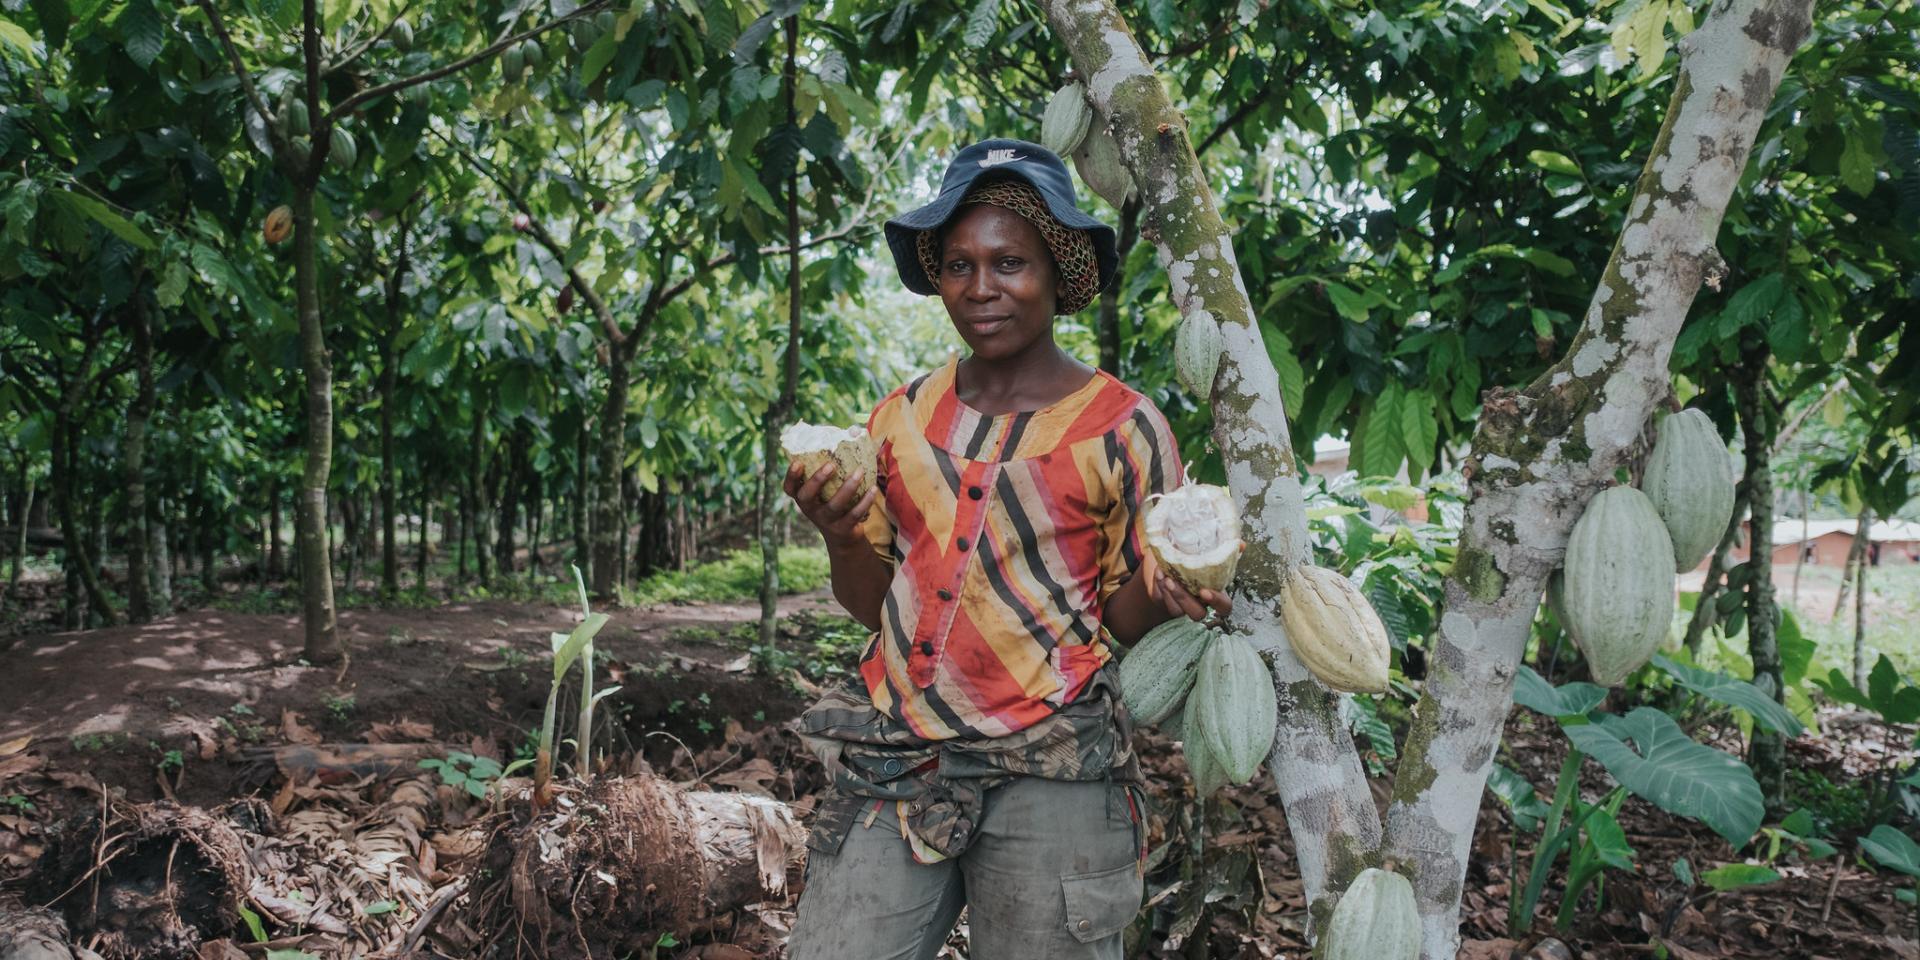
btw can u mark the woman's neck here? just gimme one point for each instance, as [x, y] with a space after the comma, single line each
[1027, 381]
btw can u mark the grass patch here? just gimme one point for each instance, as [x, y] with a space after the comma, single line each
[1893, 615]
[733, 577]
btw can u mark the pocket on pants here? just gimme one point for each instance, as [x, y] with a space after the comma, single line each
[1100, 905]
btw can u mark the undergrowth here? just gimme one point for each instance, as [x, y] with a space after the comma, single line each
[733, 577]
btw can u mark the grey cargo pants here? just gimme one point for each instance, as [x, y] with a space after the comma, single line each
[1051, 874]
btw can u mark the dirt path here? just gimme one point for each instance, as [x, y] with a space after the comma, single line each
[122, 696]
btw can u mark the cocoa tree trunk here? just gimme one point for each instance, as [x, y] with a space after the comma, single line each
[81, 569]
[1766, 751]
[1316, 770]
[1107, 325]
[773, 466]
[159, 558]
[577, 503]
[1800, 550]
[1858, 557]
[1856, 551]
[276, 559]
[317, 616]
[25, 516]
[477, 489]
[389, 550]
[606, 534]
[139, 600]
[1538, 454]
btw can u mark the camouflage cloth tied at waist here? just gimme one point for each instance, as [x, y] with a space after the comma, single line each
[940, 785]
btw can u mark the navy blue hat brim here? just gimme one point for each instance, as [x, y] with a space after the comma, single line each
[1034, 164]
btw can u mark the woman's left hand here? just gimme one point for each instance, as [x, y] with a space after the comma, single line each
[1177, 599]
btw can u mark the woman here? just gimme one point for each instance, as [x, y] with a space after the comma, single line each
[981, 759]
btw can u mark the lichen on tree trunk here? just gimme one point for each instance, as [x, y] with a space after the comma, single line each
[1538, 454]
[1316, 770]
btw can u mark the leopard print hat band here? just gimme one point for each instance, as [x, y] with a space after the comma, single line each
[1073, 257]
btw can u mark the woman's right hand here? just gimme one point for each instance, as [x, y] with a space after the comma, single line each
[839, 517]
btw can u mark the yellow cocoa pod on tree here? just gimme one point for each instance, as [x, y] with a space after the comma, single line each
[1335, 632]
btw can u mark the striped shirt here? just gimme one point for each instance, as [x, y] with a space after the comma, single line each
[1007, 533]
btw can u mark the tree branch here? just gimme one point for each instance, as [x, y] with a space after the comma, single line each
[428, 76]
[608, 325]
[359, 49]
[240, 71]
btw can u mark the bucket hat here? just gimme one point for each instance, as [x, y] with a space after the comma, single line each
[997, 158]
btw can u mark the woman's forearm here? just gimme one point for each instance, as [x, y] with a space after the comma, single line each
[860, 581]
[1130, 612]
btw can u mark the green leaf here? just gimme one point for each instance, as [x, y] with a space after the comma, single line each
[567, 647]
[1419, 430]
[1293, 380]
[1532, 691]
[1734, 876]
[1549, 261]
[379, 908]
[1893, 849]
[1857, 160]
[1800, 823]
[1350, 304]
[1733, 692]
[254, 926]
[597, 57]
[1522, 801]
[12, 35]
[981, 23]
[1383, 450]
[1609, 842]
[1751, 305]
[1673, 772]
[1683, 871]
[1553, 162]
[1841, 690]
[119, 226]
[141, 30]
[1796, 648]
[1895, 702]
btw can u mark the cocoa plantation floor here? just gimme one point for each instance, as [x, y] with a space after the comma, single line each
[311, 776]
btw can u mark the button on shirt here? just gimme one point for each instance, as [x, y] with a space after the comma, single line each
[1006, 533]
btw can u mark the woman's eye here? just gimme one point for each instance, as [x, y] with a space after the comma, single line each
[1010, 263]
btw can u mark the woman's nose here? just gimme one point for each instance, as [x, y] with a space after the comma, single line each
[980, 286]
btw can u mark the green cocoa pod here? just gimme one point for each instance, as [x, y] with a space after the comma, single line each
[401, 36]
[1376, 919]
[1619, 583]
[298, 124]
[1689, 478]
[1236, 706]
[343, 151]
[1157, 673]
[1065, 123]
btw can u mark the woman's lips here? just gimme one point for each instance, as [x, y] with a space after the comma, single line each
[987, 326]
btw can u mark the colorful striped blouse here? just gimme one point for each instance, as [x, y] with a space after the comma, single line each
[1006, 533]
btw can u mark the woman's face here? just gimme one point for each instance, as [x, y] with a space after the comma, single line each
[997, 280]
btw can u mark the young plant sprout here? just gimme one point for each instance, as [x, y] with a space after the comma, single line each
[567, 648]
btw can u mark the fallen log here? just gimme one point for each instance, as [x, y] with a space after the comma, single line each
[613, 864]
[36, 933]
